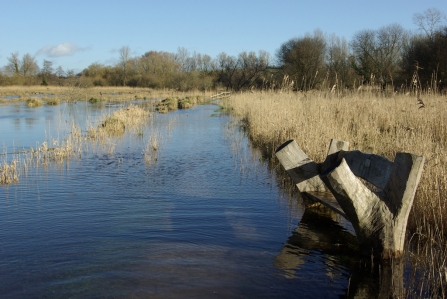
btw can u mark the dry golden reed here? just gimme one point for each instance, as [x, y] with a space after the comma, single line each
[56, 94]
[372, 123]
[8, 173]
[75, 143]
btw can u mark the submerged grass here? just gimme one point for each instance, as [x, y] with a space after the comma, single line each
[33, 103]
[372, 123]
[9, 173]
[101, 133]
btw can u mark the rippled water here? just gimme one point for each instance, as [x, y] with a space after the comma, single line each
[206, 220]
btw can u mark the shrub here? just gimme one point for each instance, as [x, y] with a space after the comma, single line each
[33, 103]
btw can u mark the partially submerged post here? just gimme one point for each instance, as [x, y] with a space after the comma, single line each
[378, 213]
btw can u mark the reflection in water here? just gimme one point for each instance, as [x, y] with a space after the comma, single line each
[319, 238]
[318, 234]
[30, 121]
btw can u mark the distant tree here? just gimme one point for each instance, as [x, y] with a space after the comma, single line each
[46, 71]
[241, 72]
[226, 66]
[157, 68]
[378, 53]
[251, 68]
[13, 66]
[428, 56]
[94, 70]
[181, 58]
[304, 59]
[60, 74]
[204, 63]
[28, 66]
[430, 21]
[339, 61]
[123, 64]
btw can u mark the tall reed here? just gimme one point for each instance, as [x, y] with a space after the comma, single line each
[372, 123]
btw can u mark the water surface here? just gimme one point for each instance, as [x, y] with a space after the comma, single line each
[206, 219]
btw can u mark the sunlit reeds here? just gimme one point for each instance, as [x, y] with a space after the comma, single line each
[33, 103]
[103, 133]
[9, 172]
[372, 123]
[75, 93]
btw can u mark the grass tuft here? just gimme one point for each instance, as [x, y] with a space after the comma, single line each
[33, 103]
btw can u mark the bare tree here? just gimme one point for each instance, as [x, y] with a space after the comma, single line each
[13, 66]
[28, 67]
[181, 58]
[430, 21]
[251, 68]
[46, 71]
[243, 71]
[338, 61]
[378, 52]
[227, 66]
[124, 58]
[204, 63]
[304, 59]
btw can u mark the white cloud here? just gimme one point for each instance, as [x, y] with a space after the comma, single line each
[64, 49]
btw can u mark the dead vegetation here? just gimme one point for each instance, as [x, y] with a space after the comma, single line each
[378, 124]
[102, 134]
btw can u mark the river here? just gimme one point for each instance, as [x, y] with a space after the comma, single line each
[205, 219]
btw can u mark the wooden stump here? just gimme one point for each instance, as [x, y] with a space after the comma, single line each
[379, 215]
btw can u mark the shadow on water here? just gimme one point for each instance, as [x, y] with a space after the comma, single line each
[319, 237]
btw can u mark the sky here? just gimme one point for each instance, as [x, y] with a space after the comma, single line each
[74, 34]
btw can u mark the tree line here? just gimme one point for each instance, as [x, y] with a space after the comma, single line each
[386, 57]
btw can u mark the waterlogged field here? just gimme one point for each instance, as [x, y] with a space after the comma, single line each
[178, 205]
[113, 192]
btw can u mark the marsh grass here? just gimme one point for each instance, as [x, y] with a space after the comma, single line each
[78, 92]
[168, 104]
[151, 148]
[102, 134]
[9, 172]
[33, 103]
[113, 126]
[372, 123]
[185, 104]
[174, 103]
[52, 102]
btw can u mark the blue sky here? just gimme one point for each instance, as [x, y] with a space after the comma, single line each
[74, 34]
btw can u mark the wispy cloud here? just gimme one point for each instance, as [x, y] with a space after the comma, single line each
[64, 49]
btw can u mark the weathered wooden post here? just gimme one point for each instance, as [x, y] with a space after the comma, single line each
[379, 214]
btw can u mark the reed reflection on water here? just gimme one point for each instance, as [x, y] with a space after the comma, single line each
[205, 220]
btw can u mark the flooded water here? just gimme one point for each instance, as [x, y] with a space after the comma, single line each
[205, 219]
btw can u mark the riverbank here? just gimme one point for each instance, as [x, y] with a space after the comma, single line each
[52, 94]
[371, 123]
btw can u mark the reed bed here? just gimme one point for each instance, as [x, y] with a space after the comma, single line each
[57, 94]
[104, 136]
[372, 123]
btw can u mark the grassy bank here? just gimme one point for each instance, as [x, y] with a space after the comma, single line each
[56, 94]
[372, 123]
